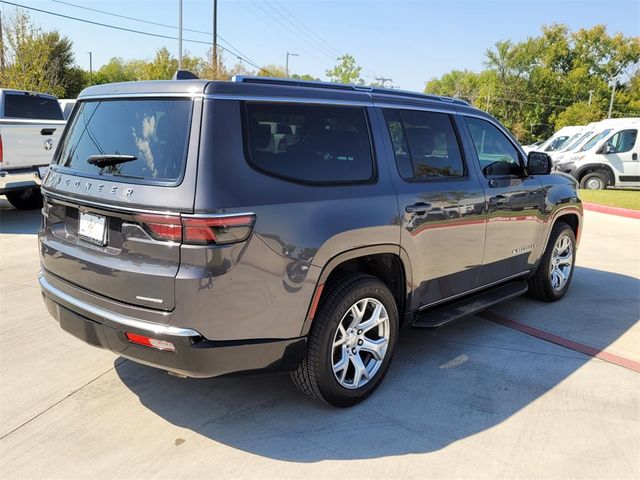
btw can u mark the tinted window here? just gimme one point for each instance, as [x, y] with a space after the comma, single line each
[497, 155]
[155, 132]
[623, 141]
[31, 106]
[309, 143]
[425, 144]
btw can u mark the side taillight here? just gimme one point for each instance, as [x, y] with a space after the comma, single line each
[198, 230]
[217, 229]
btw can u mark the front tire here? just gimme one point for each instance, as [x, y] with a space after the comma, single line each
[351, 343]
[29, 199]
[597, 180]
[553, 277]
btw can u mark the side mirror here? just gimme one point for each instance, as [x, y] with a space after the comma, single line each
[608, 148]
[538, 163]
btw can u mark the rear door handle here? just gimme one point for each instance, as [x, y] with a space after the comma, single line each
[420, 208]
[498, 200]
[634, 156]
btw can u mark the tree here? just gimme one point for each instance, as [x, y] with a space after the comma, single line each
[346, 71]
[27, 57]
[305, 76]
[580, 113]
[271, 70]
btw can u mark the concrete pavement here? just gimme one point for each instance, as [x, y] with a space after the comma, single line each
[471, 400]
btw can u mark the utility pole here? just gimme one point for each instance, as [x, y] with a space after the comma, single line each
[179, 34]
[383, 80]
[613, 93]
[590, 96]
[215, 38]
[90, 68]
[1, 44]
[488, 102]
[286, 68]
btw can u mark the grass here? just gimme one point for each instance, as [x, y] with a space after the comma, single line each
[614, 198]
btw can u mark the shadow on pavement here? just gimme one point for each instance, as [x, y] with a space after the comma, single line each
[443, 386]
[18, 221]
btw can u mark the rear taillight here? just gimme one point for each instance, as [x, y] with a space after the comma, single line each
[218, 229]
[161, 227]
[198, 230]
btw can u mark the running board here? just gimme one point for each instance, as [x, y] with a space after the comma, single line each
[442, 315]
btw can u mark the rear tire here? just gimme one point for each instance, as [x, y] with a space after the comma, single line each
[553, 276]
[29, 199]
[349, 348]
[597, 180]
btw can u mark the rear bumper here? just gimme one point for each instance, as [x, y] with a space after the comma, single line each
[194, 355]
[19, 179]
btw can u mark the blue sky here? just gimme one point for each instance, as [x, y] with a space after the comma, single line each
[408, 41]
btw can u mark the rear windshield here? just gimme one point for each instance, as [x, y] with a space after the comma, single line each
[21, 105]
[141, 139]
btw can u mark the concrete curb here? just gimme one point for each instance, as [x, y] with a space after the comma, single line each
[621, 212]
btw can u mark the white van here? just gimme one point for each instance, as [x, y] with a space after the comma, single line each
[556, 141]
[609, 158]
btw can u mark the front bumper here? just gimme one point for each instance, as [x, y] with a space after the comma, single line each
[194, 355]
[19, 179]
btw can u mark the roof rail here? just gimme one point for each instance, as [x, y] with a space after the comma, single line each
[343, 86]
[299, 83]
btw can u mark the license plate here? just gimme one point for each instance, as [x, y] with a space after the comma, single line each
[92, 228]
[42, 172]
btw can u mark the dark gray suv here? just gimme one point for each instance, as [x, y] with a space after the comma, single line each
[272, 225]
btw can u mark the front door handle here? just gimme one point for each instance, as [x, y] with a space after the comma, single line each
[420, 208]
[499, 200]
[634, 156]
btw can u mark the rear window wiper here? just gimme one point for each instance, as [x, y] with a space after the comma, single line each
[109, 159]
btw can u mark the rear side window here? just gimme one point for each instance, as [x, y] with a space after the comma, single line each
[149, 135]
[497, 155]
[31, 106]
[309, 143]
[425, 144]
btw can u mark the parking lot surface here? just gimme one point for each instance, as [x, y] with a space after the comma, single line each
[476, 399]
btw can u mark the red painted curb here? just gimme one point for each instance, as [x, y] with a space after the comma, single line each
[563, 342]
[621, 212]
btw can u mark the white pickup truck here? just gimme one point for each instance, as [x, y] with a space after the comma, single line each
[30, 128]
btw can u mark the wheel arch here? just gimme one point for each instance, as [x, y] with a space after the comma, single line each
[382, 261]
[594, 167]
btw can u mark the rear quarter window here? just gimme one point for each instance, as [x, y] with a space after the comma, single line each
[154, 131]
[309, 143]
[20, 105]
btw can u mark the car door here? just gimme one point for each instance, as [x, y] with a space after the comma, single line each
[514, 205]
[621, 152]
[440, 201]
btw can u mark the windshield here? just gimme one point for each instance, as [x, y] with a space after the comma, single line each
[556, 143]
[578, 141]
[595, 139]
[150, 134]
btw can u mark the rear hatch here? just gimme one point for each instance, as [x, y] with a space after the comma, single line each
[123, 174]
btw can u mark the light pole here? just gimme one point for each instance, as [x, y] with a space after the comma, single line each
[286, 68]
[179, 34]
[90, 68]
[215, 37]
[613, 94]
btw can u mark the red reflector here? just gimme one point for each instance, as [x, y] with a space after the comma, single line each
[315, 301]
[150, 342]
[162, 227]
[205, 230]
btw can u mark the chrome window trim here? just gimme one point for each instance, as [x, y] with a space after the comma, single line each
[122, 320]
[421, 108]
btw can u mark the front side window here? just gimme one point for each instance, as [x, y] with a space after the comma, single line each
[622, 141]
[497, 155]
[425, 144]
[139, 139]
[309, 143]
